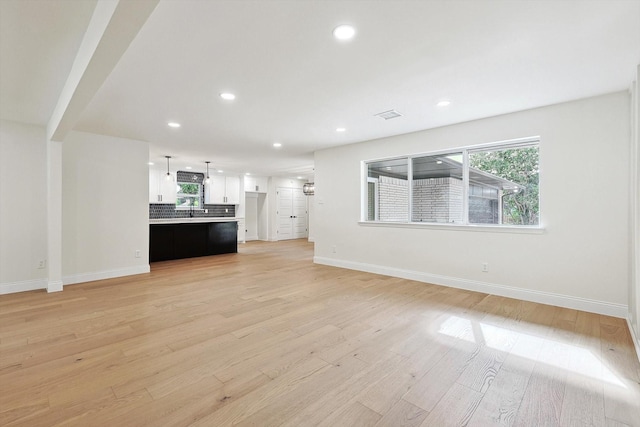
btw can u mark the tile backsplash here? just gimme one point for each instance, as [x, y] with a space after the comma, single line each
[167, 211]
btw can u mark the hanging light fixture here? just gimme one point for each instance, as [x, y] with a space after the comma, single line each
[207, 179]
[309, 189]
[168, 176]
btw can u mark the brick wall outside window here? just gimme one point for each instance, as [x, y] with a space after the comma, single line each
[437, 200]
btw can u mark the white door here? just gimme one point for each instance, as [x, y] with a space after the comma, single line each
[299, 214]
[284, 212]
[292, 213]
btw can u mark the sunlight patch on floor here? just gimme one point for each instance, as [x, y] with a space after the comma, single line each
[569, 357]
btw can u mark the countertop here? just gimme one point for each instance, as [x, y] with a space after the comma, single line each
[194, 220]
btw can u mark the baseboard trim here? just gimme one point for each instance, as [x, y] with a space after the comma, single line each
[635, 335]
[108, 274]
[576, 303]
[22, 286]
[54, 286]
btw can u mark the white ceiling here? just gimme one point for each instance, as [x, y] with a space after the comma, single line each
[38, 43]
[296, 84]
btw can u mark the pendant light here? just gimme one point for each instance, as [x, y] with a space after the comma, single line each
[207, 179]
[168, 177]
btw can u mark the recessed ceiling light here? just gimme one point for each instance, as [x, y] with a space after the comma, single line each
[173, 125]
[299, 177]
[188, 168]
[228, 96]
[344, 32]
[150, 163]
[247, 174]
[444, 103]
[341, 129]
[439, 162]
[220, 171]
[388, 168]
[277, 144]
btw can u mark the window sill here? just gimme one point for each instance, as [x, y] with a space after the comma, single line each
[457, 227]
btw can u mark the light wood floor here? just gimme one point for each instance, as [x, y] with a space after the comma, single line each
[265, 338]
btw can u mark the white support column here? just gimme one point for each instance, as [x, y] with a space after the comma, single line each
[113, 26]
[54, 216]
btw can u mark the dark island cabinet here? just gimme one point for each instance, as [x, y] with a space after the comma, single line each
[187, 240]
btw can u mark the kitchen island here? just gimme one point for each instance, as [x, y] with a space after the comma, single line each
[178, 238]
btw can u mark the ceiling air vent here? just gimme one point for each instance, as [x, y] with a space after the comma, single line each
[388, 115]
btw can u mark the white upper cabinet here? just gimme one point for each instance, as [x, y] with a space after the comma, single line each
[255, 184]
[232, 189]
[215, 191]
[222, 190]
[161, 189]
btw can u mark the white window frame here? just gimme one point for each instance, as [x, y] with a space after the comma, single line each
[465, 150]
[199, 196]
[376, 212]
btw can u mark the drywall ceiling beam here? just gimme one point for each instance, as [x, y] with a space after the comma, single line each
[112, 28]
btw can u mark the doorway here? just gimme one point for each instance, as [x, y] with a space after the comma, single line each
[292, 213]
[255, 216]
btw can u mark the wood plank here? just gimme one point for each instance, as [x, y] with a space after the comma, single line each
[326, 406]
[354, 415]
[456, 407]
[436, 382]
[543, 398]
[403, 414]
[500, 403]
[266, 337]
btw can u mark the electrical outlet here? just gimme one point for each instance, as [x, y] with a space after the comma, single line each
[42, 263]
[138, 253]
[226, 210]
[485, 267]
[333, 249]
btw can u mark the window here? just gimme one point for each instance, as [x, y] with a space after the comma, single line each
[503, 184]
[437, 188]
[189, 195]
[388, 181]
[497, 184]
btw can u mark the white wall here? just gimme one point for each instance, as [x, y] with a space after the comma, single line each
[312, 212]
[105, 207]
[263, 217]
[634, 195]
[23, 214]
[582, 258]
